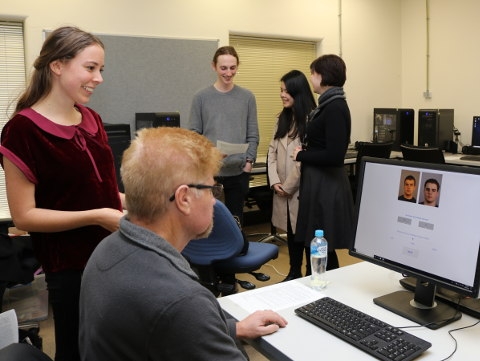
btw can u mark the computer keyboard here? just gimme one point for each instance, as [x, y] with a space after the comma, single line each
[471, 157]
[365, 332]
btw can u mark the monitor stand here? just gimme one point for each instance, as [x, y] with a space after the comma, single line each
[420, 306]
[468, 305]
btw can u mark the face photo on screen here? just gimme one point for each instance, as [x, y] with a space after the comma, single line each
[430, 189]
[408, 187]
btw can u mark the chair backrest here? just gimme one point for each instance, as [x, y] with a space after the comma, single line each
[17, 259]
[23, 352]
[225, 241]
[422, 154]
[377, 150]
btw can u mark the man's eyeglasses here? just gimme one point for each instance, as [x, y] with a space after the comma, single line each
[217, 189]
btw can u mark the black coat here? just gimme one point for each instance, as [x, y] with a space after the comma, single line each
[326, 200]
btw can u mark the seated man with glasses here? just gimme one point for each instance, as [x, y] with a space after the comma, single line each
[217, 190]
[140, 300]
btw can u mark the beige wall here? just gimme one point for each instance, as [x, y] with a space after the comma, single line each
[454, 68]
[383, 41]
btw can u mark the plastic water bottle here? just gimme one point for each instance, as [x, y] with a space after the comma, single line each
[318, 259]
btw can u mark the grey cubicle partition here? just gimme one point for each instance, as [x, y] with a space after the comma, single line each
[151, 74]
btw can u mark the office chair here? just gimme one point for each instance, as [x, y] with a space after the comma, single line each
[422, 154]
[22, 352]
[17, 262]
[219, 253]
[378, 150]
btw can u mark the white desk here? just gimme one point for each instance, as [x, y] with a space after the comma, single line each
[450, 158]
[356, 286]
[455, 159]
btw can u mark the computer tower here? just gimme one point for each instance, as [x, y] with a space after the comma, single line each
[435, 128]
[393, 125]
[158, 119]
[406, 128]
[119, 139]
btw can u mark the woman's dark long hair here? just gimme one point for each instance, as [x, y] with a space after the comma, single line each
[293, 120]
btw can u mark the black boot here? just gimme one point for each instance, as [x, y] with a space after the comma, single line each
[309, 271]
[308, 266]
[293, 274]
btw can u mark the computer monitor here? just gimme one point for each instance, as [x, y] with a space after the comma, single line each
[119, 137]
[393, 125]
[476, 131]
[438, 244]
[157, 119]
[384, 124]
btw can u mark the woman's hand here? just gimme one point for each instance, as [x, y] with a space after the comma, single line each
[280, 191]
[109, 218]
[295, 152]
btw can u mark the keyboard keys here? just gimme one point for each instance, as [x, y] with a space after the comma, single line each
[368, 333]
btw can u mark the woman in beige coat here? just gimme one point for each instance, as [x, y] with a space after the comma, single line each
[283, 170]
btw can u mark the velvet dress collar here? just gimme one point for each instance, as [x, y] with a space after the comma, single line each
[75, 132]
[63, 131]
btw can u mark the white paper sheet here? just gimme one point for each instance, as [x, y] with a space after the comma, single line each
[231, 148]
[8, 328]
[276, 297]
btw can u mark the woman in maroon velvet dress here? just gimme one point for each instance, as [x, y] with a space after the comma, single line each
[59, 171]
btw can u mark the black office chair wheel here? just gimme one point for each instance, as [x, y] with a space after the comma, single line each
[226, 289]
[247, 285]
[260, 276]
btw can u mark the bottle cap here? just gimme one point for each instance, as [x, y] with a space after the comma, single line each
[319, 233]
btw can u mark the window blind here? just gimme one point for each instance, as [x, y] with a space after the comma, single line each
[263, 61]
[12, 82]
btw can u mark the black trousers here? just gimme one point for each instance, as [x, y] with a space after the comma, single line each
[64, 295]
[295, 251]
[332, 261]
[235, 190]
[3, 287]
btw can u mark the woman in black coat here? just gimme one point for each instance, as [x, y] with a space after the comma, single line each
[326, 200]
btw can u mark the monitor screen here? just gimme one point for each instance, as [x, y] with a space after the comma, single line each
[476, 131]
[158, 119]
[384, 124]
[420, 219]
